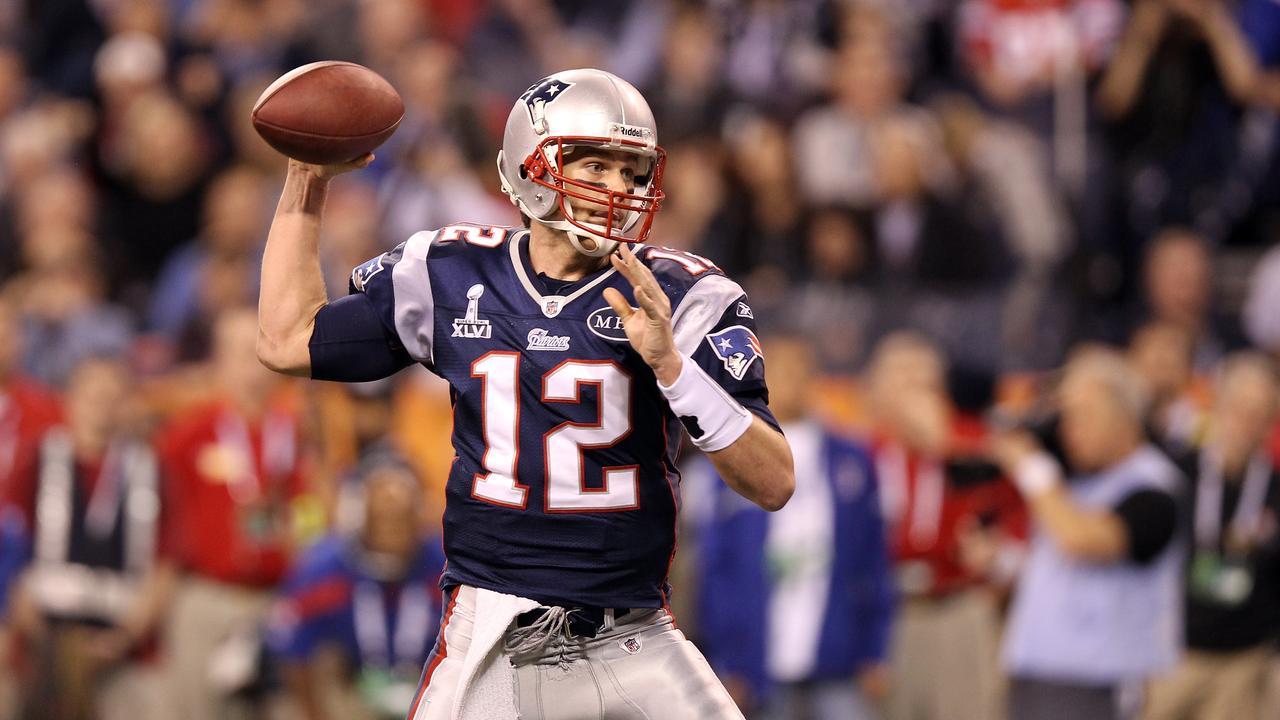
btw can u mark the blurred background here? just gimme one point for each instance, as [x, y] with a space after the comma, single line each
[942, 210]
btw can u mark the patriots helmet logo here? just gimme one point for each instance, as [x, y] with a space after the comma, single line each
[737, 347]
[544, 91]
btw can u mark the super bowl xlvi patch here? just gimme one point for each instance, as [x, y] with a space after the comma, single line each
[737, 347]
[363, 273]
[471, 325]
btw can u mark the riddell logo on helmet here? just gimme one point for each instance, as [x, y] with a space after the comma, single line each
[630, 131]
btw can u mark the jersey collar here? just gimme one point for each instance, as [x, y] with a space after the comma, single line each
[549, 305]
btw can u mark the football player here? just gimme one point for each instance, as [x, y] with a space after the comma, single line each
[575, 352]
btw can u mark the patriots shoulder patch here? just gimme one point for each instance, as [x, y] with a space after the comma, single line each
[365, 272]
[737, 347]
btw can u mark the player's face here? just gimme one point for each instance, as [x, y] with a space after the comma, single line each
[613, 170]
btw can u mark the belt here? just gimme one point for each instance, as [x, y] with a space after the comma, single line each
[583, 622]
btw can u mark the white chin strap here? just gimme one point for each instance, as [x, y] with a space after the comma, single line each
[577, 236]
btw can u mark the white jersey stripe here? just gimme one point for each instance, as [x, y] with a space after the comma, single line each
[701, 309]
[414, 307]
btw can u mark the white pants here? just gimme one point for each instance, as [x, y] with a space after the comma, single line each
[642, 668]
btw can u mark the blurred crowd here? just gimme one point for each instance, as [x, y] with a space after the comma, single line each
[1017, 264]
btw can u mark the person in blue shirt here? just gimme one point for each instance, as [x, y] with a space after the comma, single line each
[15, 551]
[795, 606]
[357, 618]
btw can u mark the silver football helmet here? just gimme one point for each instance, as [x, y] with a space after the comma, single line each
[575, 108]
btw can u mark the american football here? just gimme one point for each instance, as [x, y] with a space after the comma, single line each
[328, 112]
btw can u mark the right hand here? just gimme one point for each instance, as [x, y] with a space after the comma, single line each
[328, 172]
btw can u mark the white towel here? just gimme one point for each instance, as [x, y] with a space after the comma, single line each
[486, 690]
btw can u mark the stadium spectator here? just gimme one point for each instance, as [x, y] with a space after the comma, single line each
[1007, 170]
[944, 646]
[15, 551]
[1161, 354]
[833, 142]
[190, 289]
[760, 222]
[358, 614]
[1179, 68]
[832, 299]
[90, 604]
[153, 165]
[1178, 282]
[795, 606]
[27, 410]
[690, 93]
[234, 466]
[1098, 604]
[66, 313]
[1261, 322]
[1233, 577]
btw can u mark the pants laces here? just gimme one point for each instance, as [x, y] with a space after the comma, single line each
[546, 641]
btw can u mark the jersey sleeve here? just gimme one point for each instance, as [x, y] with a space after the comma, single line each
[399, 286]
[714, 325]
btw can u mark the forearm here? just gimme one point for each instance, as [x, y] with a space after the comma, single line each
[758, 466]
[1123, 77]
[1091, 535]
[1236, 64]
[292, 284]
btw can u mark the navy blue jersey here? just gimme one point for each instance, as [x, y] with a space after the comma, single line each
[564, 487]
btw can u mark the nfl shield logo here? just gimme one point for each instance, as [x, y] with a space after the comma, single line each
[631, 645]
[737, 347]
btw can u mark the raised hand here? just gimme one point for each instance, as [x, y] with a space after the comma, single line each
[649, 327]
[328, 172]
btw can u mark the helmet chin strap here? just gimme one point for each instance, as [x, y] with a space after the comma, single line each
[577, 238]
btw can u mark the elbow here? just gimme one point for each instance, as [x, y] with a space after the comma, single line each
[283, 358]
[779, 492]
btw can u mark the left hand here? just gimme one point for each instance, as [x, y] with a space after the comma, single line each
[648, 328]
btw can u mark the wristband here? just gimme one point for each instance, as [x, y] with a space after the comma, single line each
[1037, 474]
[712, 417]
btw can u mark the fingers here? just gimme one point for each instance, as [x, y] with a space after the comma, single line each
[619, 304]
[642, 280]
[652, 310]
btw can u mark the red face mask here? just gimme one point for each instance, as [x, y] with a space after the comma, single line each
[543, 171]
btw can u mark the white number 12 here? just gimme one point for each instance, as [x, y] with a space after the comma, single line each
[563, 445]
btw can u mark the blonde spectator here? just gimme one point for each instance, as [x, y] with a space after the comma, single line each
[1098, 604]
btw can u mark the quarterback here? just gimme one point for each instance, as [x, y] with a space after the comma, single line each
[577, 353]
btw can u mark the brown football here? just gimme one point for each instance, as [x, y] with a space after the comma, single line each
[327, 112]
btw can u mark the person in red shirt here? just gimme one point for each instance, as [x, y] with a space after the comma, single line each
[27, 410]
[954, 527]
[90, 602]
[234, 472]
